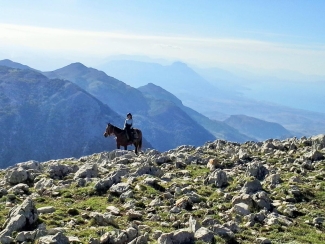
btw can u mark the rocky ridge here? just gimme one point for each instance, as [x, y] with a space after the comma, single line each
[221, 192]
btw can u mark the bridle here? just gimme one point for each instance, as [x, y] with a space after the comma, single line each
[110, 133]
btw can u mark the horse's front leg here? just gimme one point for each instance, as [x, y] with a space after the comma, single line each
[118, 145]
[126, 147]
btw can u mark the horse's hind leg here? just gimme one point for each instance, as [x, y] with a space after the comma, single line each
[125, 147]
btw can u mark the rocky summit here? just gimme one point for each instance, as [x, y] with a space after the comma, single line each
[220, 192]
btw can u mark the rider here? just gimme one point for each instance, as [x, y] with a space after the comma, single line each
[128, 126]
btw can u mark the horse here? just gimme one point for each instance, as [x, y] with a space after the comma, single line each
[121, 137]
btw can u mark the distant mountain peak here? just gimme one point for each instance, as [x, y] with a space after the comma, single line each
[179, 64]
[159, 93]
[76, 65]
[73, 67]
[150, 84]
[12, 64]
[152, 87]
[7, 60]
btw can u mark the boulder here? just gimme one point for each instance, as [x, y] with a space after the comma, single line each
[87, 171]
[258, 170]
[16, 175]
[218, 178]
[58, 171]
[251, 187]
[205, 235]
[119, 188]
[319, 141]
[19, 189]
[31, 164]
[103, 219]
[104, 184]
[21, 216]
[58, 238]
[43, 184]
[262, 201]
[177, 237]
[241, 209]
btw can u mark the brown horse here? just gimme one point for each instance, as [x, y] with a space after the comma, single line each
[121, 138]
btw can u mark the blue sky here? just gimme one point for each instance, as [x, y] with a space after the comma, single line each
[251, 34]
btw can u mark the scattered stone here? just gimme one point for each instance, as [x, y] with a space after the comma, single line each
[87, 171]
[218, 178]
[20, 217]
[58, 171]
[241, 209]
[205, 235]
[251, 187]
[103, 219]
[119, 188]
[213, 164]
[258, 170]
[16, 175]
[263, 240]
[218, 189]
[113, 210]
[134, 215]
[179, 236]
[58, 238]
[46, 210]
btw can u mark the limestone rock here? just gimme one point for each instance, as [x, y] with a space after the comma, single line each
[258, 170]
[205, 235]
[20, 217]
[251, 187]
[58, 238]
[218, 178]
[177, 237]
[87, 171]
[16, 175]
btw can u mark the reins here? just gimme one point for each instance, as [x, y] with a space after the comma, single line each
[113, 131]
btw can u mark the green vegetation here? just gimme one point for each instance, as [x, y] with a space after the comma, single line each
[299, 198]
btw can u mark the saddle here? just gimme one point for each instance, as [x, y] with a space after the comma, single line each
[134, 133]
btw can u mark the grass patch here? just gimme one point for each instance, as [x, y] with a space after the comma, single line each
[197, 171]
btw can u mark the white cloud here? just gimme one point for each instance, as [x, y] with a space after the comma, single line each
[254, 53]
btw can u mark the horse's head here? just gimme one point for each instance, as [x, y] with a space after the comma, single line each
[109, 130]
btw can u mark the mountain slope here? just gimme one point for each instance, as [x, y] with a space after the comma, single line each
[119, 96]
[123, 98]
[172, 127]
[177, 78]
[44, 119]
[224, 96]
[11, 64]
[219, 129]
[259, 129]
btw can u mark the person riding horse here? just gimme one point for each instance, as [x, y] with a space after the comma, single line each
[128, 126]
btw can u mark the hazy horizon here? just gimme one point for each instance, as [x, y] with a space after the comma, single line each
[248, 35]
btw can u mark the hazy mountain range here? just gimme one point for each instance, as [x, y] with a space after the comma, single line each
[163, 123]
[262, 97]
[256, 128]
[44, 119]
[63, 113]
[218, 128]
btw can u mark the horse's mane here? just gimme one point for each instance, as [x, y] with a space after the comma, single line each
[117, 128]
